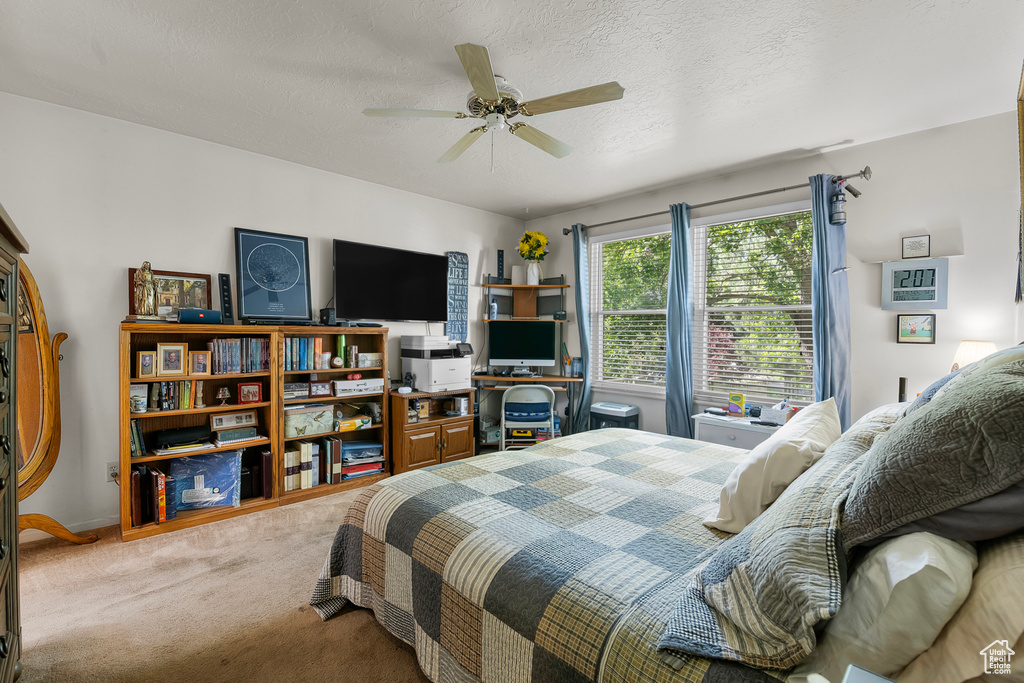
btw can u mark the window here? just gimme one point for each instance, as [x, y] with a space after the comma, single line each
[752, 307]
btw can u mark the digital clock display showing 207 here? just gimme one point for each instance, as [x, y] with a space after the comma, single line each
[916, 284]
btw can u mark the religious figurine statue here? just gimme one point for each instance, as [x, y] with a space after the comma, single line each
[200, 401]
[145, 290]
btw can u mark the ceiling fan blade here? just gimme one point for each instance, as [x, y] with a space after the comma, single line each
[462, 145]
[477, 64]
[414, 113]
[555, 148]
[595, 94]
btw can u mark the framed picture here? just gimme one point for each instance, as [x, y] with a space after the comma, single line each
[174, 291]
[232, 420]
[199, 362]
[273, 276]
[146, 364]
[250, 392]
[319, 389]
[918, 246]
[171, 359]
[915, 329]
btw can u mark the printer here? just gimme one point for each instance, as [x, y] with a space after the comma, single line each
[436, 363]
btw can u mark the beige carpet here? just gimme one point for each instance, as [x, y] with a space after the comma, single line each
[223, 602]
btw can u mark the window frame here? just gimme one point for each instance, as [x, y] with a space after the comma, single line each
[595, 246]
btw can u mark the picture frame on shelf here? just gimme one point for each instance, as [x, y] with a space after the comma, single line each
[915, 328]
[199, 363]
[917, 246]
[320, 389]
[219, 421]
[273, 276]
[145, 366]
[250, 392]
[174, 291]
[172, 359]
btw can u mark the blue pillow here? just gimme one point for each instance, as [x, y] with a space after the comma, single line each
[929, 393]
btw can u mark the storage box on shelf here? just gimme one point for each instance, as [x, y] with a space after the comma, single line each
[253, 370]
[328, 406]
[422, 432]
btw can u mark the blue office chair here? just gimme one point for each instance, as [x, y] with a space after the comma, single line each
[528, 406]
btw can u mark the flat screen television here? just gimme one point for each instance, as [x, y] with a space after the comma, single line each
[521, 343]
[382, 283]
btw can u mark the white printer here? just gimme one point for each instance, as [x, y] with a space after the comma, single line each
[435, 363]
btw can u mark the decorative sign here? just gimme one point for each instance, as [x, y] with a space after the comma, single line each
[457, 327]
[914, 285]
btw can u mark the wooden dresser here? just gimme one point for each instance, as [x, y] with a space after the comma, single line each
[434, 437]
[11, 245]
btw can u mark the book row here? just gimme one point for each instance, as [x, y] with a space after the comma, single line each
[245, 354]
[313, 353]
[329, 461]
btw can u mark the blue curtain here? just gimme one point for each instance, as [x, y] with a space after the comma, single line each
[679, 342]
[581, 414]
[830, 301]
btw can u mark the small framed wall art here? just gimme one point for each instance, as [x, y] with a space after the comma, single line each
[915, 329]
[918, 246]
[230, 420]
[273, 276]
[171, 360]
[172, 291]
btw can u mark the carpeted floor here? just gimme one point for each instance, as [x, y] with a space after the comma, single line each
[227, 601]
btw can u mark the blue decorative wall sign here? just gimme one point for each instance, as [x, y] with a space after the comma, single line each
[457, 327]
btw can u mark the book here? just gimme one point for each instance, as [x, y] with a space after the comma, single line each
[157, 490]
[309, 354]
[302, 354]
[318, 345]
[363, 474]
[356, 469]
[306, 464]
[136, 484]
[287, 354]
[314, 476]
[267, 470]
[292, 463]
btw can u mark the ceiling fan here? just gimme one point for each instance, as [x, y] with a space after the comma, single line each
[495, 101]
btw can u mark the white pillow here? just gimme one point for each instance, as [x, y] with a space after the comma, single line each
[773, 464]
[894, 606]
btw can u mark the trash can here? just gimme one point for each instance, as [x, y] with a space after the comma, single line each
[608, 414]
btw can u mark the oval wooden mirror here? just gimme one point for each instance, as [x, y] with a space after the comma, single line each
[38, 396]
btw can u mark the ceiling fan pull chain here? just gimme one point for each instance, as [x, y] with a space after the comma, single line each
[492, 150]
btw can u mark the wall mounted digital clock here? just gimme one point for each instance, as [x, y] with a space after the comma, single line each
[915, 285]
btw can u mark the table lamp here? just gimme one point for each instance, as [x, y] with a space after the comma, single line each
[971, 350]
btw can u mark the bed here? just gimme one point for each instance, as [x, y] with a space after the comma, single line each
[585, 558]
[562, 562]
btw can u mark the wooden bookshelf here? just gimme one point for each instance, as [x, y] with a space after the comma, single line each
[135, 337]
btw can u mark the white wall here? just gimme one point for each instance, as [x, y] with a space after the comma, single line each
[95, 196]
[959, 183]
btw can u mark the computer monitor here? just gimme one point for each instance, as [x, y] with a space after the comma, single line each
[521, 344]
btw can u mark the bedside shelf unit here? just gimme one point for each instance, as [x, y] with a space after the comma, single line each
[730, 431]
[434, 439]
[136, 337]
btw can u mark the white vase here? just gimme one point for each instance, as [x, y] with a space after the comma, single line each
[533, 274]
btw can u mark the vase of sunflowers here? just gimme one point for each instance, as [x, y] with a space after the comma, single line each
[532, 247]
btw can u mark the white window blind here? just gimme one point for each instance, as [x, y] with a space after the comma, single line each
[752, 309]
[629, 286]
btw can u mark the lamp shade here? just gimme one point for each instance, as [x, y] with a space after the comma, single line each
[971, 350]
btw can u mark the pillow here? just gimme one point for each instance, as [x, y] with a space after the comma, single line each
[928, 394]
[773, 464]
[992, 612]
[1014, 353]
[895, 604]
[963, 446]
[758, 598]
[997, 515]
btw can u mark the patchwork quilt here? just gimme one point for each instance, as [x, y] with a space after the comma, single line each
[562, 562]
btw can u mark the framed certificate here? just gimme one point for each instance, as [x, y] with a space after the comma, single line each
[273, 276]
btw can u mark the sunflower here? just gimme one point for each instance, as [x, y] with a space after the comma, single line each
[533, 246]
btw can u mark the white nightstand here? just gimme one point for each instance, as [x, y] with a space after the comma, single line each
[730, 431]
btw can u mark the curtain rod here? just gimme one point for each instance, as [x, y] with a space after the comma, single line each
[865, 174]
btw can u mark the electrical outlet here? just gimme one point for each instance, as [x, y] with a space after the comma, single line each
[111, 471]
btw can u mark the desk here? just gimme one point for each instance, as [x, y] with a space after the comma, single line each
[502, 382]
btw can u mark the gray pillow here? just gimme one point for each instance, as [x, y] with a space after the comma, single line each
[962, 447]
[997, 515]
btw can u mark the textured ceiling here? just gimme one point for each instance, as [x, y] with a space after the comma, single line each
[710, 84]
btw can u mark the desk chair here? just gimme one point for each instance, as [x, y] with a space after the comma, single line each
[528, 406]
